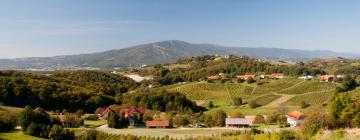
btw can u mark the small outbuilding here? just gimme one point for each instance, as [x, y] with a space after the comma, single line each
[237, 122]
[158, 124]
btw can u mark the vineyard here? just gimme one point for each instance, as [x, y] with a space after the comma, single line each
[269, 94]
[311, 98]
[276, 85]
[265, 99]
[309, 86]
[214, 91]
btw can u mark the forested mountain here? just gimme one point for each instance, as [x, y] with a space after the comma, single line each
[158, 53]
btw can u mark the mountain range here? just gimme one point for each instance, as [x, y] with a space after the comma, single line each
[161, 52]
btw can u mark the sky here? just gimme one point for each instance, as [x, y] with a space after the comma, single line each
[37, 28]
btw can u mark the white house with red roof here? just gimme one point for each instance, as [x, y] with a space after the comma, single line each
[295, 118]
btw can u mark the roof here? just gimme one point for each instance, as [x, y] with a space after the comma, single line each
[239, 121]
[246, 76]
[214, 77]
[277, 74]
[163, 123]
[328, 76]
[295, 115]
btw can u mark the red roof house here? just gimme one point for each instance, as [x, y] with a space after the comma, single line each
[214, 77]
[295, 118]
[327, 78]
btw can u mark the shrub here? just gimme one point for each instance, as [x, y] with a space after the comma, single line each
[72, 121]
[250, 80]
[253, 104]
[237, 101]
[92, 117]
[304, 104]
[254, 131]
[239, 80]
[58, 133]
[286, 135]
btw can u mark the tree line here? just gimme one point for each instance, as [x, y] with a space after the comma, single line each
[70, 90]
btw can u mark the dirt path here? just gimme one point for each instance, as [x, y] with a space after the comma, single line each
[278, 102]
[228, 93]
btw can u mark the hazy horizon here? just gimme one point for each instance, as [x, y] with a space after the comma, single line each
[63, 27]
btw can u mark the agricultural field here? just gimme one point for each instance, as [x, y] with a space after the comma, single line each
[313, 86]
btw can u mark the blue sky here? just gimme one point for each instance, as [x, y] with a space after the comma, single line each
[57, 27]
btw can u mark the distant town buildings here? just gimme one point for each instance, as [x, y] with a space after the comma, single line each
[246, 76]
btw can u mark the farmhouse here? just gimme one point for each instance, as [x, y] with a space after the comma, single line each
[158, 124]
[214, 77]
[246, 76]
[327, 78]
[237, 122]
[306, 77]
[263, 76]
[295, 118]
[129, 113]
[277, 75]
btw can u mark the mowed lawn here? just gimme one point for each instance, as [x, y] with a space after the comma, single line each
[175, 133]
[17, 135]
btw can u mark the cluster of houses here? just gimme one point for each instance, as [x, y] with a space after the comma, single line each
[130, 113]
[294, 119]
[322, 78]
[247, 76]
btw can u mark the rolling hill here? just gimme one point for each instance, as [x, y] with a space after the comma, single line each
[158, 53]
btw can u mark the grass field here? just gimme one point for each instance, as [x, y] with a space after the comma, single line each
[94, 124]
[17, 135]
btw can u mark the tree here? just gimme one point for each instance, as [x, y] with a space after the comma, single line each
[314, 121]
[113, 120]
[219, 118]
[25, 118]
[8, 120]
[338, 104]
[211, 105]
[348, 83]
[117, 120]
[259, 119]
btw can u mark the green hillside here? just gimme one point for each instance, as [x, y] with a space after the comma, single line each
[269, 94]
